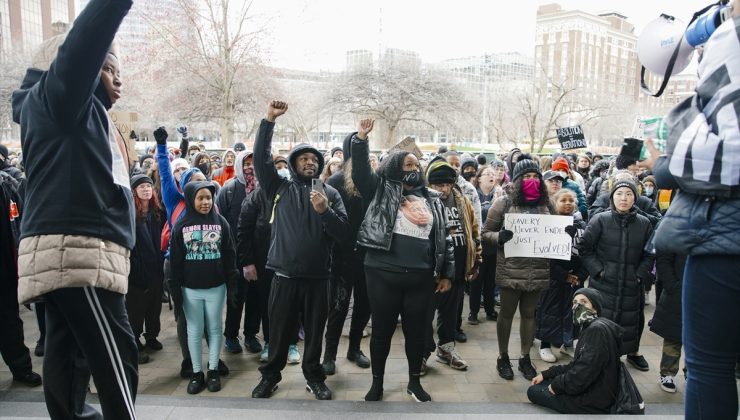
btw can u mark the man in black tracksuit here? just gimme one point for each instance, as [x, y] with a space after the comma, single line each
[348, 273]
[305, 226]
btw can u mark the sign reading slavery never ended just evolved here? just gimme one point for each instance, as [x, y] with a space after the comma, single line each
[538, 236]
[571, 138]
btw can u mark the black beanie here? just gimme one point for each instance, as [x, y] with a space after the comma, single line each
[593, 295]
[4, 151]
[525, 166]
[623, 183]
[139, 179]
[440, 172]
[469, 162]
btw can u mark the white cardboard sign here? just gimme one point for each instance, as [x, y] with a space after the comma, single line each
[538, 236]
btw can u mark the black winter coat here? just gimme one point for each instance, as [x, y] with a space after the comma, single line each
[253, 231]
[644, 206]
[667, 318]
[590, 380]
[146, 258]
[376, 230]
[302, 239]
[347, 252]
[613, 253]
[229, 201]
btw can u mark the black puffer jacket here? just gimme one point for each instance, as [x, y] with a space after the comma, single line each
[667, 318]
[376, 230]
[612, 250]
[643, 206]
[590, 380]
[302, 239]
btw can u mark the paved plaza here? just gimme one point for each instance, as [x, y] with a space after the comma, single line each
[479, 391]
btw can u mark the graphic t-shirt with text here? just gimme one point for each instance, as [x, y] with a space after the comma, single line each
[202, 242]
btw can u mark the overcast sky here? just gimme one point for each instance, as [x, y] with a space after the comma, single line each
[314, 35]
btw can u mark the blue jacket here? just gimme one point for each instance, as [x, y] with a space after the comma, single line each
[696, 224]
[78, 177]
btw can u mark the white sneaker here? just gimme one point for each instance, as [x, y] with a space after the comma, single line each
[547, 356]
[568, 351]
[667, 384]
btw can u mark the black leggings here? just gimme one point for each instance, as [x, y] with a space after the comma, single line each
[391, 294]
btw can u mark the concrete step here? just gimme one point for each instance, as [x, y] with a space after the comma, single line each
[29, 405]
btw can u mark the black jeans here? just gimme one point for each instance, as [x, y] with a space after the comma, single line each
[13, 351]
[144, 306]
[40, 311]
[94, 321]
[485, 284]
[393, 293]
[540, 395]
[349, 278]
[289, 297]
[446, 305]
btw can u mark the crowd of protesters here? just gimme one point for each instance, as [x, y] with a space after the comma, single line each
[284, 245]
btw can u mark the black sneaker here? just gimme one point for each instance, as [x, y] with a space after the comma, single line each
[154, 344]
[265, 388]
[460, 336]
[503, 366]
[39, 350]
[214, 381]
[473, 319]
[29, 378]
[492, 316]
[376, 390]
[197, 383]
[143, 358]
[527, 368]
[359, 358]
[319, 390]
[222, 369]
[329, 367]
[186, 369]
[252, 344]
[638, 362]
[417, 393]
[667, 384]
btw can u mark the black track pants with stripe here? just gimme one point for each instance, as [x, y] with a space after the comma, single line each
[94, 321]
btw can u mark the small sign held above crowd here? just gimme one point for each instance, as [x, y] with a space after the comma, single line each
[571, 138]
[538, 236]
[409, 145]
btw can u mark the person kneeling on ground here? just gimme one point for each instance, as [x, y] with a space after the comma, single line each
[588, 384]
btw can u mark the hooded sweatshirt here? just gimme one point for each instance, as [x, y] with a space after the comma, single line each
[301, 239]
[197, 160]
[229, 198]
[221, 175]
[63, 112]
[202, 253]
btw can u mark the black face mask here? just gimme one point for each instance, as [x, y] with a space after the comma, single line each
[468, 175]
[411, 178]
[205, 167]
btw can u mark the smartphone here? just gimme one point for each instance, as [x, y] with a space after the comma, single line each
[317, 185]
[631, 148]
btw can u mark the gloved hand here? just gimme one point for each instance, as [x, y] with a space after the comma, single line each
[160, 135]
[132, 135]
[183, 131]
[504, 236]
[571, 230]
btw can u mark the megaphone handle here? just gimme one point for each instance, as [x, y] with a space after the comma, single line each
[667, 76]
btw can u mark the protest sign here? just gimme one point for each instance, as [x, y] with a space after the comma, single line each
[409, 145]
[125, 122]
[571, 138]
[538, 236]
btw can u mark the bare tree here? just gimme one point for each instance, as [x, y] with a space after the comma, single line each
[217, 43]
[396, 95]
[12, 68]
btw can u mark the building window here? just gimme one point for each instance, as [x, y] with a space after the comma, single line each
[33, 33]
[5, 26]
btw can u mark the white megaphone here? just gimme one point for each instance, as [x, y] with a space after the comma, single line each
[657, 44]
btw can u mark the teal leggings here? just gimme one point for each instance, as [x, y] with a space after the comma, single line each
[204, 306]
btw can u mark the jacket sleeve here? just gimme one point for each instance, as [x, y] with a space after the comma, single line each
[170, 194]
[245, 229]
[363, 176]
[73, 75]
[663, 176]
[586, 368]
[264, 167]
[334, 219]
[449, 267]
[647, 260]
[598, 206]
[184, 146]
[177, 258]
[556, 370]
[222, 201]
[475, 232]
[587, 248]
[475, 202]
[651, 211]
[228, 254]
[494, 222]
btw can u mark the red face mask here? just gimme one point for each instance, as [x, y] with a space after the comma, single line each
[531, 189]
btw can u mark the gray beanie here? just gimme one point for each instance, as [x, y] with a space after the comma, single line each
[525, 166]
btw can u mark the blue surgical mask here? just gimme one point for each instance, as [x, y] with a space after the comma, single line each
[284, 173]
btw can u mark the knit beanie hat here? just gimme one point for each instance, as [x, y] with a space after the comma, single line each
[469, 162]
[623, 183]
[139, 179]
[279, 158]
[593, 295]
[440, 172]
[560, 164]
[525, 166]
